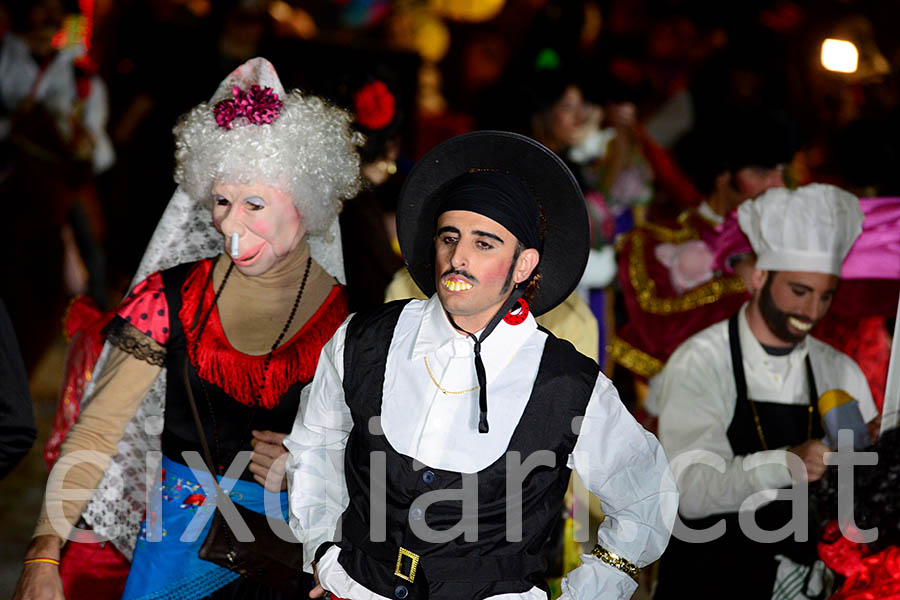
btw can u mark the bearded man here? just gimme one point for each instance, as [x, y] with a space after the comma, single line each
[746, 390]
[441, 433]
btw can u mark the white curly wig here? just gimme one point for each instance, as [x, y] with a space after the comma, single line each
[309, 151]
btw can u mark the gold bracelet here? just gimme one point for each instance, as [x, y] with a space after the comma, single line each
[616, 561]
[49, 561]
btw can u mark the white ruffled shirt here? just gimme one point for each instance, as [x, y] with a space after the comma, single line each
[620, 462]
[695, 398]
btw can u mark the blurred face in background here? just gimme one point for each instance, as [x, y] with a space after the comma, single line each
[753, 181]
[563, 124]
[44, 19]
[733, 188]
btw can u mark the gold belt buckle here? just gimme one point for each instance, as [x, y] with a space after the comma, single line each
[412, 569]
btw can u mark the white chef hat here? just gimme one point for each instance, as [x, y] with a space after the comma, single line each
[809, 229]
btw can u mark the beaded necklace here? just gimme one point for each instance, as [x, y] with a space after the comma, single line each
[266, 364]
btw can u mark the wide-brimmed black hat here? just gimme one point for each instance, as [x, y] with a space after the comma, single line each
[566, 235]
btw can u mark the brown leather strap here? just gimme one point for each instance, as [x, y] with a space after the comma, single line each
[207, 455]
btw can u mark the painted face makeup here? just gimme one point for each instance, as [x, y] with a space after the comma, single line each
[260, 225]
[473, 257]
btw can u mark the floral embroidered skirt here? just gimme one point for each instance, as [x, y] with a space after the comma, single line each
[165, 563]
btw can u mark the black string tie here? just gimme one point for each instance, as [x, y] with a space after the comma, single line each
[513, 299]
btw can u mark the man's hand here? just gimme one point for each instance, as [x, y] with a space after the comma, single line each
[267, 449]
[812, 452]
[41, 581]
[318, 591]
[874, 428]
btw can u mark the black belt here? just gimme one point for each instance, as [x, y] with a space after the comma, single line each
[474, 569]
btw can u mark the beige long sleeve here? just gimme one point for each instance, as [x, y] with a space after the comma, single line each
[116, 398]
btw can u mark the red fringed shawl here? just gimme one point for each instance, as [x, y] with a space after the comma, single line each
[240, 375]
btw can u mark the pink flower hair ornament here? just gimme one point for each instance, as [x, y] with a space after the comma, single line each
[258, 105]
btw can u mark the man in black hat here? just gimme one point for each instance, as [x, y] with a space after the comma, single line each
[440, 433]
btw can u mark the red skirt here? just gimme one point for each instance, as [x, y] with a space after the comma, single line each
[91, 571]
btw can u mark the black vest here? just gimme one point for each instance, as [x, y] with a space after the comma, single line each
[456, 568]
[735, 566]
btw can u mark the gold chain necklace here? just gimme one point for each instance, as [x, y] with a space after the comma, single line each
[442, 389]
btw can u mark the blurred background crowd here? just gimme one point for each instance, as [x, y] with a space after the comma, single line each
[669, 112]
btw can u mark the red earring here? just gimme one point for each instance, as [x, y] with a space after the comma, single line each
[515, 319]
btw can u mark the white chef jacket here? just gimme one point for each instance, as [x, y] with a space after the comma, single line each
[696, 395]
[617, 459]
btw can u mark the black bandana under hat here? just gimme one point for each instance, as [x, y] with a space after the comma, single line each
[500, 197]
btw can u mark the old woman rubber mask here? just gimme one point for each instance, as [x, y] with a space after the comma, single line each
[260, 224]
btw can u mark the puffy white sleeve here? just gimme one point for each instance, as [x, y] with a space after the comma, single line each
[697, 406]
[625, 467]
[315, 468]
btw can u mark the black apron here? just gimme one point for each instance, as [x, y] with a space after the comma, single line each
[734, 566]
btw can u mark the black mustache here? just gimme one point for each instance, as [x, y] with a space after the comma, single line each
[465, 274]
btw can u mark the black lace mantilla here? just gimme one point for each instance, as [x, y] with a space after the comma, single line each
[128, 338]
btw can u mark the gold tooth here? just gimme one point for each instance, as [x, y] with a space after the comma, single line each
[457, 286]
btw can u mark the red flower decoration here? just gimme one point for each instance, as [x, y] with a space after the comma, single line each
[374, 105]
[257, 105]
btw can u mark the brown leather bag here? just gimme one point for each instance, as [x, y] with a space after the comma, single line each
[268, 559]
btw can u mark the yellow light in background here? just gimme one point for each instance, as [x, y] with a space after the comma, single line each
[431, 38]
[280, 11]
[200, 8]
[839, 55]
[472, 11]
[294, 20]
